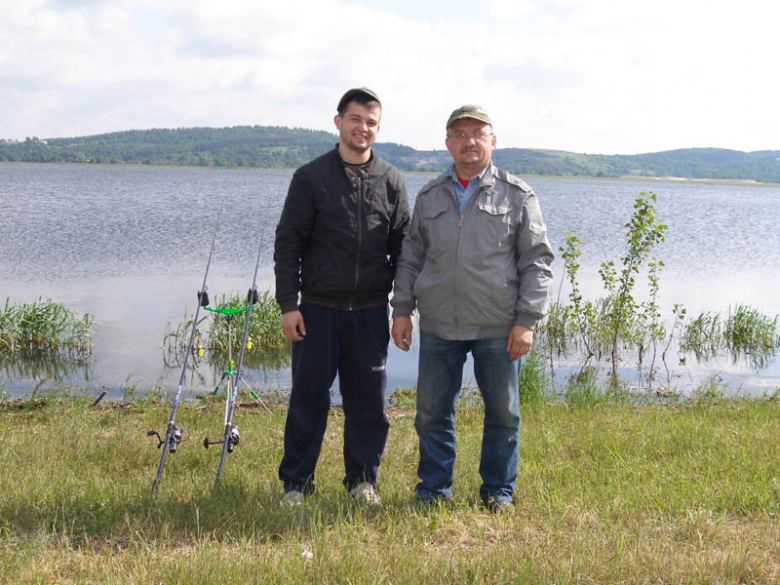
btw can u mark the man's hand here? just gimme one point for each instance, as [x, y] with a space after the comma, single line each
[520, 341]
[292, 326]
[402, 332]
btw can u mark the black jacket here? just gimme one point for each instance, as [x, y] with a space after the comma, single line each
[338, 240]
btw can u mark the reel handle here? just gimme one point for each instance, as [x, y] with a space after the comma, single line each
[206, 442]
[160, 441]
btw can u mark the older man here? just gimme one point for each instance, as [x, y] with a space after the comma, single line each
[476, 266]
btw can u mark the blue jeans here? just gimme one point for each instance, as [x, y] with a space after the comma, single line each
[439, 380]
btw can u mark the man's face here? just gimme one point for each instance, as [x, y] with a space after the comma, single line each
[471, 144]
[358, 127]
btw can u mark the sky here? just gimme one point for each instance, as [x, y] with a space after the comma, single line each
[591, 76]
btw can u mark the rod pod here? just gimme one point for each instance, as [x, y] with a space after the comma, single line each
[231, 431]
[252, 298]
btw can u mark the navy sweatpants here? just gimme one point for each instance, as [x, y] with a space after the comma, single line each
[354, 344]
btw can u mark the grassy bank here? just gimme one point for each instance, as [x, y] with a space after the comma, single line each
[607, 493]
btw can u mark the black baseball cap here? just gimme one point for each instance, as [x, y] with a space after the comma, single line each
[347, 97]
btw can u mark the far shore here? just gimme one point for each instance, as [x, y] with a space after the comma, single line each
[626, 178]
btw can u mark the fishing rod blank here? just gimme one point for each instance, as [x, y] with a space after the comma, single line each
[231, 435]
[173, 434]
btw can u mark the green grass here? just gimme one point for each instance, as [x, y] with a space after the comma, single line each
[608, 492]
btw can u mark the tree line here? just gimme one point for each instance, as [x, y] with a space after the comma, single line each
[281, 147]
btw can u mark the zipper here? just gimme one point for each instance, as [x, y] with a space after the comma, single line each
[469, 206]
[457, 254]
[357, 189]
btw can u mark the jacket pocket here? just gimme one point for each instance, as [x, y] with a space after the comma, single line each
[496, 217]
[439, 230]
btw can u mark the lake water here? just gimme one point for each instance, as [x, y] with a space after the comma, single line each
[129, 245]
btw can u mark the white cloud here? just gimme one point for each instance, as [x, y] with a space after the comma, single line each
[512, 9]
[582, 75]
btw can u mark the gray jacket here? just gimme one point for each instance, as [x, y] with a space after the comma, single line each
[475, 276]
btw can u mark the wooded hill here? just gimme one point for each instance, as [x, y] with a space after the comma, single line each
[280, 147]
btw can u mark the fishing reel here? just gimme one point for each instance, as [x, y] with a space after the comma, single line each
[174, 441]
[232, 440]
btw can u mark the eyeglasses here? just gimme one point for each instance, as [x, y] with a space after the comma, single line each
[476, 137]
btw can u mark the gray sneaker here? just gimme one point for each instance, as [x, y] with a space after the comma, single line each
[293, 499]
[501, 506]
[364, 494]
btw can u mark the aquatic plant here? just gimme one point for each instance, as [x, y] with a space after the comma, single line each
[265, 325]
[746, 329]
[265, 330]
[702, 335]
[45, 326]
[745, 332]
[555, 328]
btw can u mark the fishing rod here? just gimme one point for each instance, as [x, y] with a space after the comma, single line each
[231, 435]
[173, 433]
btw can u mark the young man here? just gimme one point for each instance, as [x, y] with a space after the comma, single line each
[337, 244]
[476, 266]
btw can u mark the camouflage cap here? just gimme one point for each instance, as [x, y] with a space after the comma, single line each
[347, 97]
[469, 111]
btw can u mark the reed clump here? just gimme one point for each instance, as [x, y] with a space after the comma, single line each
[744, 331]
[703, 335]
[748, 330]
[45, 326]
[265, 324]
[214, 332]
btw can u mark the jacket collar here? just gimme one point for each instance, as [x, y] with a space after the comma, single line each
[488, 175]
[368, 164]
